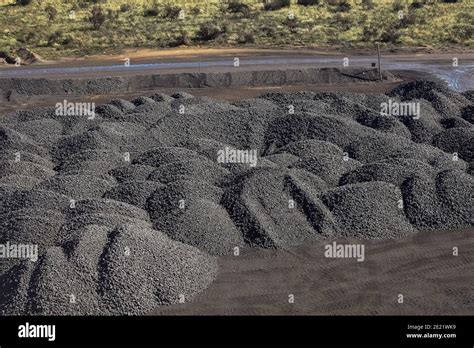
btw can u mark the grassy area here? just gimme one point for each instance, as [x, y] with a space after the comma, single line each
[55, 28]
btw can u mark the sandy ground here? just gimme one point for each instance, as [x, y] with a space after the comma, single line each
[422, 268]
[143, 55]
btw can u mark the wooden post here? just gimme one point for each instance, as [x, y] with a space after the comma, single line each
[378, 54]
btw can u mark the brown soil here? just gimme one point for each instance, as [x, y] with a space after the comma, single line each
[422, 268]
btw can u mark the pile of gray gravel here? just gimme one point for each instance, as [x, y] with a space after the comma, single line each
[129, 209]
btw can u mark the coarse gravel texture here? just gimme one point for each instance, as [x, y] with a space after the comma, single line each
[130, 208]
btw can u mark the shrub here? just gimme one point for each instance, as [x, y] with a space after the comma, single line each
[74, 7]
[370, 34]
[171, 12]
[111, 14]
[308, 2]
[28, 37]
[195, 11]
[151, 12]
[343, 6]
[408, 19]
[51, 12]
[182, 40]
[207, 32]
[339, 5]
[397, 6]
[344, 22]
[391, 36]
[246, 38]
[66, 40]
[462, 32]
[23, 2]
[368, 4]
[54, 38]
[238, 7]
[273, 5]
[97, 18]
[125, 7]
[417, 5]
[268, 31]
[291, 23]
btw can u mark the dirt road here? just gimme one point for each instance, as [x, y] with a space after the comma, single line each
[145, 62]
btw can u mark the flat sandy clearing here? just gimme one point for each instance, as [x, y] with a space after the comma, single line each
[422, 268]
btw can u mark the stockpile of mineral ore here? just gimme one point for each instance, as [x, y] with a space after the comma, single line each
[130, 208]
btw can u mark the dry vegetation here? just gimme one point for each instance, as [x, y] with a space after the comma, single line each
[77, 27]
